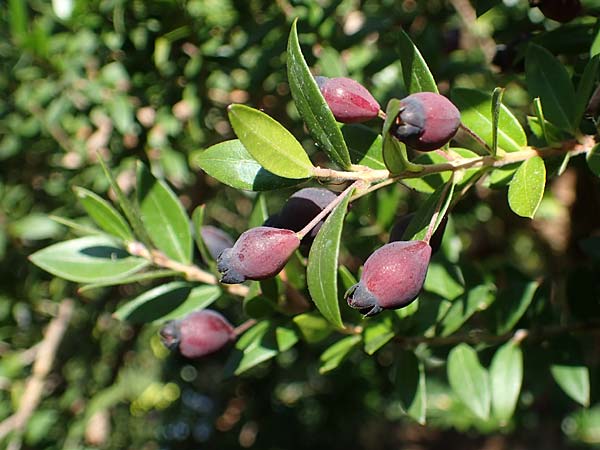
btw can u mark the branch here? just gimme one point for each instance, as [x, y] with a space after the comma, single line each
[41, 367]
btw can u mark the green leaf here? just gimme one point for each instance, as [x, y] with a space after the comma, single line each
[593, 160]
[585, 88]
[506, 377]
[286, 337]
[313, 326]
[496, 105]
[105, 216]
[259, 212]
[273, 146]
[91, 259]
[167, 302]
[476, 113]
[512, 304]
[542, 122]
[257, 345]
[477, 299]
[312, 106]
[322, 264]
[527, 186]
[568, 369]
[416, 74]
[548, 79]
[445, 280]
[410, 382]
[365, 146]
[469, 380]
[164, 217]
[417, 228]
[377, 333]
[231, 164]
[135, 278]
[334, 355]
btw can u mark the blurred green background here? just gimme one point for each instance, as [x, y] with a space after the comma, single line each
[150, 80]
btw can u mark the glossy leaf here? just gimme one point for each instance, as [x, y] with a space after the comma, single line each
[469, 380]
[231, 164]
[164, 217]
[334, 355]
[444, 280]
[416, 73]
[135, 278]
[548, 79]
[322, 264]
[586, 88]
[506, 377]
[312, 106]
[527, 186]
[257, 345]
[270, 143]
[167, 302]
[477, 299]
[105, 216]
[364, 145]
[476, 113]
[378, 333]
[91, 259]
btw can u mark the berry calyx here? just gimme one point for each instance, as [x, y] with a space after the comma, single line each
[198, 334]
[392, 277]
[258, 254]
[349, 101]
[426, 121]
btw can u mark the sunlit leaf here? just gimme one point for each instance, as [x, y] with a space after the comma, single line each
[527, 186]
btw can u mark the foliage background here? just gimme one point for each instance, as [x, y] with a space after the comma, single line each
[151, 81]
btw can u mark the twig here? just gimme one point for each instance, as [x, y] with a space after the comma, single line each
[41, 367]
[475, 337]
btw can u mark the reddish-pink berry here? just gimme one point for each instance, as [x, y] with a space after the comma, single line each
[392, 277]
[426, 121]
[258, 254]
[198, 334]
[348, 100]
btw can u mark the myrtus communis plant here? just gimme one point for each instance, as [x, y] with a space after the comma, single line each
[409, 299]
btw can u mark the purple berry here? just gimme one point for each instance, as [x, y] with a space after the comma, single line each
[559, 10]
[198, 334]
[348, 100]
[392, 277]
[398, 229]
[426, 121]
[258, 254]
[215, 239]
[300, 209]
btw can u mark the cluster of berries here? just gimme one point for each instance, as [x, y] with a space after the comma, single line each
[392, 276]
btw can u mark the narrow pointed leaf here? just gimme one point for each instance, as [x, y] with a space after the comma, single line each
[527, 186]
[231, 164]
[469, 380]
[585, 88]
[574, 380]
[506, 377]
[334, 355]
[496, 105]
[416, 73]
[135, 278]
[312, 106]
[269, 143]
[417, 229]
[512, 304]
[322, 264]
[91, 259]
[476, 113]
[105, 216]
[164, 217]
[548, 79]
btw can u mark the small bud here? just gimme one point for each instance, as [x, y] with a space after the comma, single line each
[198, 334]
[348, 100]
[258, 254]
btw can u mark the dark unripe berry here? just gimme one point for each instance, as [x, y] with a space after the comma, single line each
[426, 121]
[258, 254]
[198, 334]
[398, 229]
[348, 100]
[215, 239]
[392, 277]
[300, 209]
[559, 10]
